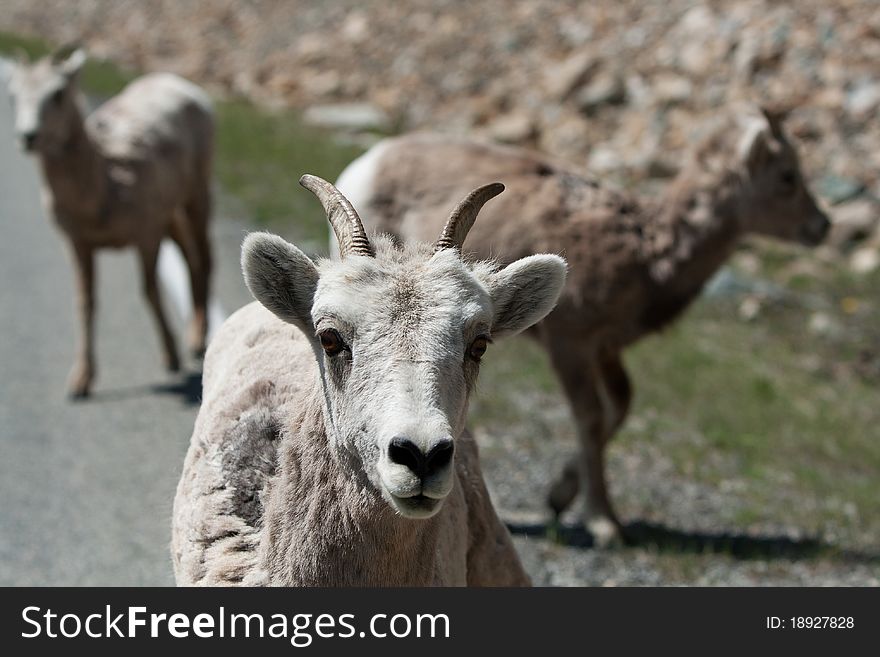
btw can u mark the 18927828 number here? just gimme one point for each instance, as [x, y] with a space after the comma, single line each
[821, 622]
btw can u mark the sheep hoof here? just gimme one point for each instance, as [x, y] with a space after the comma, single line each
[78, 394]
[80, 383]
[173, 364]
[605, 532]
[563, 491]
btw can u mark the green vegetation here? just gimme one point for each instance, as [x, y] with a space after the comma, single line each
[260, 154]
[260, 157]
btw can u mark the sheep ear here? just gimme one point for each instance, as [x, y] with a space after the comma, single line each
[71, 65]
[281, 277]
[525, 291]
[775, 117]
[757, 145]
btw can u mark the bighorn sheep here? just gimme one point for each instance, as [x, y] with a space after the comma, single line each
[134, 171]
[635, 264]
[355, 469]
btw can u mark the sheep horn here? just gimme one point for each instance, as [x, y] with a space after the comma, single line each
[462, 218]
[346, 223]
[64, 51]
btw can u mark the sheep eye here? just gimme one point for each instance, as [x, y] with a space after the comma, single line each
[58, 96]
[478, 347]
[331, 341]
[788, 179]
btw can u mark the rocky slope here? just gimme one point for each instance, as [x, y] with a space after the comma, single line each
[619, 85]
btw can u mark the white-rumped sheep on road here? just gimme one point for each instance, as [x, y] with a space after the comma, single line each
[136, 170]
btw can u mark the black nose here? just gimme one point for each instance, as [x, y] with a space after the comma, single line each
[29, 139]
[816, 230]
[405, 452]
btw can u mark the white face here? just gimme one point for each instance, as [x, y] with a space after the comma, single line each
[398, 339]
[402, 346]
[44, 96]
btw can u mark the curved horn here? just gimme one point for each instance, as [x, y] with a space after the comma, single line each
[64, 51]
[464, 215]
[346, 223]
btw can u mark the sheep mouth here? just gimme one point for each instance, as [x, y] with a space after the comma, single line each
[417, 506]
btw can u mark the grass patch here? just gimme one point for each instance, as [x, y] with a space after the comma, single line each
[260, 157]
[260, 154]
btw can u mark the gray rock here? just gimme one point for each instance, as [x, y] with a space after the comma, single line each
[837, 189]
[671, 89]
[561, 79]
[348, 116]
[604, 89]
[853, 221]
[605, 158]
[512, 128]
[863, 100]
[865, 260]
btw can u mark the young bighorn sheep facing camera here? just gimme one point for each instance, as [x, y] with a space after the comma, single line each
[635, 263]
[136, 170]
[330, 447]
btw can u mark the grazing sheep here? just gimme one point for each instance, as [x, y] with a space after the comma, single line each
[330, 447]
[635, 263]
[136, 170]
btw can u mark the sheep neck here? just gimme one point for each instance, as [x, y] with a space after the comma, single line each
[698, 227]
[347, 534]
[75, 176]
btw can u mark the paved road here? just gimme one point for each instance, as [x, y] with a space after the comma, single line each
[85, 488]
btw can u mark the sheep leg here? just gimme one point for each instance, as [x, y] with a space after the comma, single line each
[492, 559]
[597, 389]
[615, 392]
[83, 371]
[182, 234]
[198, 212]
[149, 258]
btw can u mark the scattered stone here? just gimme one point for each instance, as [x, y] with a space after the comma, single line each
[671, 89]
[821, 324]
[865, 260]
[569, 134]
[864, 100]
[853, 222]
[348, 116]
[748, 263]
[604, 89]
[512, 128]
[356, 27]
[561, 79]
[605, 158]
[659, 167]
[749, 308]
[542, 72]
[322, 84]
[837, 189]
